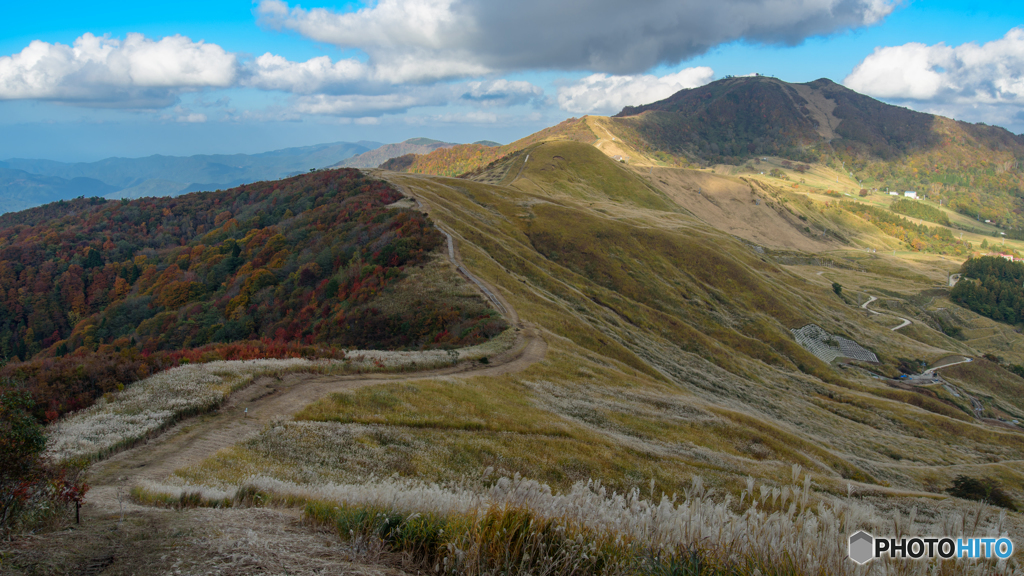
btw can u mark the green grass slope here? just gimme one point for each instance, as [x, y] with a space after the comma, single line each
[583, 172]
[669, 353]
[465, 158]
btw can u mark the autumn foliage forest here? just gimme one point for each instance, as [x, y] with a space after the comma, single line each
[95, 294]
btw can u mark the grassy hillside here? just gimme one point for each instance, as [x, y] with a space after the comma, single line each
[669, 354]
[666, 368]
[465, 158]
[818, 133]
[973, 168]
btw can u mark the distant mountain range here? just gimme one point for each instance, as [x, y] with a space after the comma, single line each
[20, 190]
[27, 183]
[376, 157]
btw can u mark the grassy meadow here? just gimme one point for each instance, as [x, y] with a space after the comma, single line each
[668, 357]
[672, 426]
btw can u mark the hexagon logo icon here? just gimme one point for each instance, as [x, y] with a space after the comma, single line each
[861, 547]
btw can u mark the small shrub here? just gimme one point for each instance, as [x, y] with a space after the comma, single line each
[948, 328]
[908, 366]
[837, 288]
[983, 490]
[34, 494]
[954, 332]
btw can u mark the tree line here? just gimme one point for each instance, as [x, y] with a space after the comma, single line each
[993, 287]
[917, 209]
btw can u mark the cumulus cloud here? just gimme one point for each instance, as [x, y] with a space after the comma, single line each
[138, 72]
[320, 75]
[970, 81]
[273, 72]
[415, 35]
[455, 38]
[134, 72]
[604, 94]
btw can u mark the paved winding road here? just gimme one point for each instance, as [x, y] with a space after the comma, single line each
[872, 299]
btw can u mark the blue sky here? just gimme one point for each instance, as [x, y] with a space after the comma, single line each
[80, 82]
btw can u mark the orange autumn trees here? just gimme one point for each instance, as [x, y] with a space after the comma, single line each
[113, 290]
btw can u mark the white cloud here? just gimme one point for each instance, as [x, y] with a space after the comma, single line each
[603, 94]
[364, 105]
[320, 75]
[415, 52]
[183, 114]
[106, 71]
[419, 38]
[398, 99]
[388, 24]
[442, 39]
[475, 117]
[969, 81]
[423, 67]
[502, 92]
[138, 72]
[317, 75]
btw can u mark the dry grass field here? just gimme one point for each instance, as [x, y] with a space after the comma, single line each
[669, 398]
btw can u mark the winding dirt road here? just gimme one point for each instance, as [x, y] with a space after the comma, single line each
[118, 537]
[872, 299]
[249, 410]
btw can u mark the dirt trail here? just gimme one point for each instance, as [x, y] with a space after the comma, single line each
[248, 411]
[118, 537]
[486, 290]
[871, 299]
[949, 361]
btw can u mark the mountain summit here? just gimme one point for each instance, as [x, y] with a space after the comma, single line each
[733, 119]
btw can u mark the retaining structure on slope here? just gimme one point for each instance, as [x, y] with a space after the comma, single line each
[817, 341]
